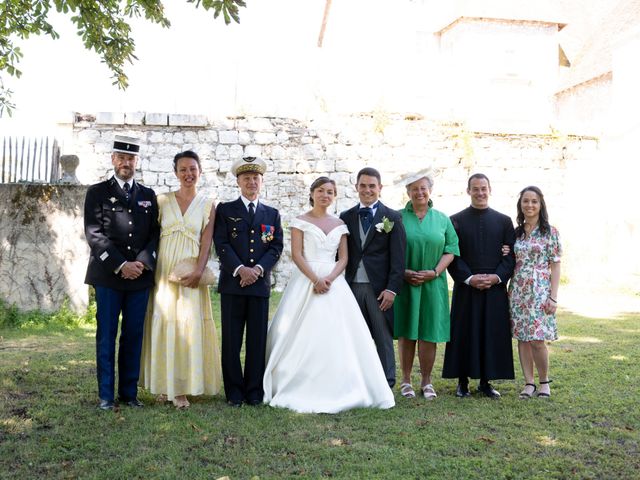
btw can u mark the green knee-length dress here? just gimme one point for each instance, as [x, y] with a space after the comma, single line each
[422, 312]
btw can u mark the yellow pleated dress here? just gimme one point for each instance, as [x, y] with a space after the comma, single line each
[180, 353]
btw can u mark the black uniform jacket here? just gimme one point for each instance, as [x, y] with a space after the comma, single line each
[239, 241]
[119, 231]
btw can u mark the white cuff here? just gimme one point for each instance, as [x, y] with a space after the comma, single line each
[235, 272]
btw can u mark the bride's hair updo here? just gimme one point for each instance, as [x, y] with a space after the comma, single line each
[318, 182]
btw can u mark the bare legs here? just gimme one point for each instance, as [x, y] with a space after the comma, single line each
[426, 358]
[534, 353]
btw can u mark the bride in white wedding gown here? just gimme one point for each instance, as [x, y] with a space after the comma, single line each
[320, 354]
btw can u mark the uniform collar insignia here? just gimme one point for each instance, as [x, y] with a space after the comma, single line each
[113, 199]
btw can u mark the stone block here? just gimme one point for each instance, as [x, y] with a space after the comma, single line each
[157, 119]
[208, 136]
[235, 152]
[244, 138]
[349, 164]
[204, 150]
[277, 152]
[228, 136]
[182, 120]
[110, 118]
[324, 166]
[326, 138]
[161, 164]
[134, 118]
[282, 137]
[177, 138]
[285, 165]
[210, 165]
[150, 179]
[103, 147]
[156, 137]
[166, 150]
[263, 138]
[88, 136]
[253, 151]
[312, 151]
[259, 124]
[225, 166]
[191, 137]
[222, 152]
[303, 166]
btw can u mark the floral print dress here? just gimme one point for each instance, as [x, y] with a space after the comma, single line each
[531, 286]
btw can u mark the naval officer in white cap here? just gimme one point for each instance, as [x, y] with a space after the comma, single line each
[248, 240]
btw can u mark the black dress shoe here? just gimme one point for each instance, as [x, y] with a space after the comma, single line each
[234, 404]
[106, 405]
[131, 403]
[488, 390]
[254, 402]
[462, 390]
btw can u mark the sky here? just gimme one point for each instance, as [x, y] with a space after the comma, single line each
[268, 65]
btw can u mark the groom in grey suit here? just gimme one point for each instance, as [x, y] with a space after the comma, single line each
[375, 269]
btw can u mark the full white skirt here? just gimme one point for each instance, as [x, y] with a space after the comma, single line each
[320, 354]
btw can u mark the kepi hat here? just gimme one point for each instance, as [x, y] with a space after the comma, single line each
[249, 165]
[125, 144]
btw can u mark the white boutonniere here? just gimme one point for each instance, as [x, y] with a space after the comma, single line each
[385, 225]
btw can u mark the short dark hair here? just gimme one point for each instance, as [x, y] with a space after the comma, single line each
[317, 183]
[369, 172]
[186, 154]
[480, 176]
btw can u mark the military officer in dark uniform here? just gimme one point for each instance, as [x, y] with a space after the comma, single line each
[121, 226]
[248, 240]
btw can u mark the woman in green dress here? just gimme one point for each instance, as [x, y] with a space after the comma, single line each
[422, 307]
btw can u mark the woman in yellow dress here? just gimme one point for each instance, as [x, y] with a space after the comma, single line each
[180, 354]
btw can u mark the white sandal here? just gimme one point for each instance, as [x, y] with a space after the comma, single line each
[406, 390]
[429, 392]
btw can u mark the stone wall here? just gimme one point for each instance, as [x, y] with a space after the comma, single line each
[296, 152]
[43, 254]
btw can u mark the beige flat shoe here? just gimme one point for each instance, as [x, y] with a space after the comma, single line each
[181, 402]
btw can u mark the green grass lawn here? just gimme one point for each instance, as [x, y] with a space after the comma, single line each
[590, 428]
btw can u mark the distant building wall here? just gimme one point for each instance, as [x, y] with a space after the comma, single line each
[42, 235]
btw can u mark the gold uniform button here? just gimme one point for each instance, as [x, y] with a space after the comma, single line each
[129, 210]
[251, 250]
[252, 231]
[131, 234]
[251, 260]
[130, 223]
[113, 209]
[128, 247]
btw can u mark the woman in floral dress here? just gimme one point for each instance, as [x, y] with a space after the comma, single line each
[533, 291]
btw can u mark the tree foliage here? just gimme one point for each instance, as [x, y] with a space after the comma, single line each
[101, 24]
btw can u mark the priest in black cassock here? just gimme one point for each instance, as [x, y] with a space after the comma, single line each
[480, 345]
